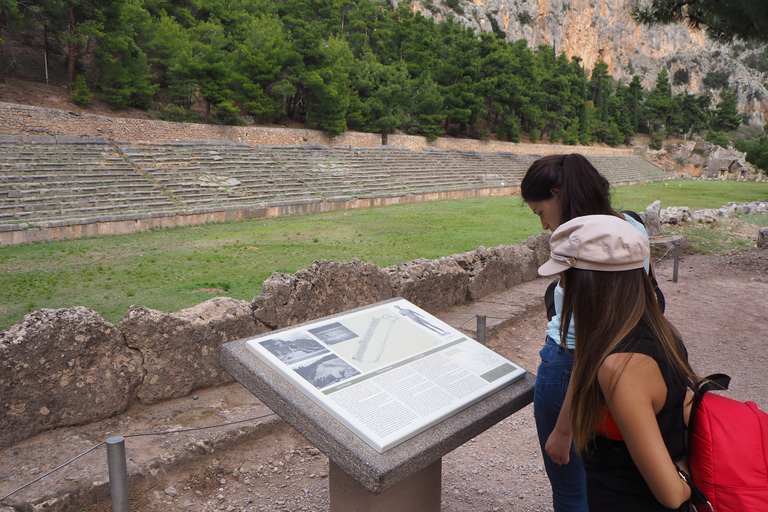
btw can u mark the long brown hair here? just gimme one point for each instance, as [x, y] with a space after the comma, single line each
[583, 190]
[606, 308]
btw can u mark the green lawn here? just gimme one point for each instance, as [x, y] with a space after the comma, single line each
[177, 268]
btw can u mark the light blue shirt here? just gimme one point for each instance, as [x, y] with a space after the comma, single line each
[553, 327]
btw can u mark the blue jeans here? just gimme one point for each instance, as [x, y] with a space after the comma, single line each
[569, 488]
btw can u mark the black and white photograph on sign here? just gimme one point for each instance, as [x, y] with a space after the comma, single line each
[333, 333]
[326, 371]
[292, 348]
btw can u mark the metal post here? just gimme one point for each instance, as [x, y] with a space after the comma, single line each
[118, 474]
[677, 261]
[481, 329]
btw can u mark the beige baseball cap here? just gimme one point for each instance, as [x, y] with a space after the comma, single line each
[596, 242]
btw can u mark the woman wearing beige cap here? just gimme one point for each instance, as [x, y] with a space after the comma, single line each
[559, 188]
[628, 386]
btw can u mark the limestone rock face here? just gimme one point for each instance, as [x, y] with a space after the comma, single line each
[432, 285]
[181, 350]
[63, 367]
[604, 31]
[325, 288]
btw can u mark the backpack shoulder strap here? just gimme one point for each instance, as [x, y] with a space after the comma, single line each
[634, 215]
[714, 382]
[549, 299]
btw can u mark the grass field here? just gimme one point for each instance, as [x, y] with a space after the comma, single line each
[172, 269]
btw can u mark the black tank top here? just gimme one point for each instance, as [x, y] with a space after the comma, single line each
[613, 481]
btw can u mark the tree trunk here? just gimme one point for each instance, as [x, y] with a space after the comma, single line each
[2, 47]
[71, 73]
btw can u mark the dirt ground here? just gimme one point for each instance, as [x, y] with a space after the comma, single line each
[718, 305]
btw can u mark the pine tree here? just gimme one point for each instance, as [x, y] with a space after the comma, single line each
[427, 109]
[726, 116]
[658, 105]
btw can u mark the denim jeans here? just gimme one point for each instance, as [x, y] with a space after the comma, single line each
[569, 488]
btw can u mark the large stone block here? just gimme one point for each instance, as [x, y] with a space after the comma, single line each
[63, 367]
[762, 238]
[433, 285]
[675, 215]
[325, 288]
[652, 219]
[181, 350]
[539, 244]
[706, 216]
[496, 269]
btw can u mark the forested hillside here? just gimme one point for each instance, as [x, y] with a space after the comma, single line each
[338, 65]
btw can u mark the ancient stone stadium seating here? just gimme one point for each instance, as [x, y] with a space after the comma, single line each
[46, 178]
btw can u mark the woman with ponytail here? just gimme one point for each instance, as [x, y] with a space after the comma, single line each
[559, 188]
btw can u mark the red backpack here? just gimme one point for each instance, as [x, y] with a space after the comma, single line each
[728, 451]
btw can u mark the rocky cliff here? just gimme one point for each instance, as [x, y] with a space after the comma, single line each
[602, 30]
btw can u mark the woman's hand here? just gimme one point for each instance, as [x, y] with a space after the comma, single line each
[558, 446]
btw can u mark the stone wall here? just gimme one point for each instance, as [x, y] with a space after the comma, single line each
[27, 120]
[66, 367]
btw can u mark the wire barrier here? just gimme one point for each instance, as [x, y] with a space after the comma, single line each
[663, 255]
[107, 442]
[676, 264]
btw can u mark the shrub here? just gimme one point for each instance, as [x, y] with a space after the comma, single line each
[173, 112]
[479, 131]
[455, 5]
[657, 141]
[228, 113]
[80, 95]
[524, 18]
[681, 77]
[716, 79]
[718, 138]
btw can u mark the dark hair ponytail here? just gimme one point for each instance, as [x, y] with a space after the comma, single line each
[583, 190]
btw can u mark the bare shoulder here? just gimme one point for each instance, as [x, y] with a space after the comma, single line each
[632, 376]
[622, 362]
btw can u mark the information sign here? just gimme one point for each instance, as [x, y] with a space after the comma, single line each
[387, 372]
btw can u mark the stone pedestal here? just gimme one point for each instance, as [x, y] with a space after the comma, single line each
[419, 492]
